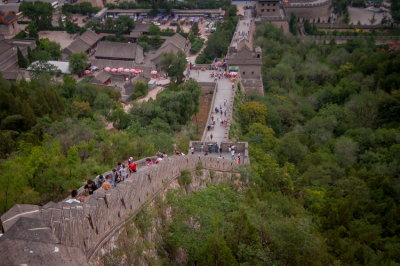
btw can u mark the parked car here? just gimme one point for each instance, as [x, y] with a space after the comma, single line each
[173, 24]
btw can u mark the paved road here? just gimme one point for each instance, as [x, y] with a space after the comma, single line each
[224, 98]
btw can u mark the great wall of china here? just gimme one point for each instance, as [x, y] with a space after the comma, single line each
[61, 233]
[74, 234]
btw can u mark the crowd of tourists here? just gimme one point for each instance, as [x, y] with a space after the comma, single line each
[117, 175]
[217, 149]
[219, 117]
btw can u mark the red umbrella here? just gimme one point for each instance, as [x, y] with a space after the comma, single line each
[120, 69]
[153, 72]
[87, 72]
[114, 70]
[127, 70]
[108, 69]
[132, 70]
[138, 70]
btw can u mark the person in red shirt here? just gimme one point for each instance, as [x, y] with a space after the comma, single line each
[132, 167]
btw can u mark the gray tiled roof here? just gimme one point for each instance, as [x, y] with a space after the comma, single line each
[83, 42]
[116, 50]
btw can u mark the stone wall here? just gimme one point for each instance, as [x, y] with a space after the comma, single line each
[145, 244]
[77, 231]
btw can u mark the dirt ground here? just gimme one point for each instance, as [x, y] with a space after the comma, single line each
[151, 94]
[200, 119]
[62, 37]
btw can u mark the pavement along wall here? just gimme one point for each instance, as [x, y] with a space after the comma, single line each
[61, 233]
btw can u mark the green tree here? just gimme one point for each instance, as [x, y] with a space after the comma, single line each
[22, 62]
[261, 136]
[72, 160]
[39, 12]
[78, 63]
[216, 252]
[121, 120]
[395, 11]
[195, 29]
[94, 24]
[154, 29]
[293, 24]
[32, 30]
[46, 50]
[174, 65]
[346, 151]
[103, 103]
[123, 24]
[252, 112]
[71, 27]
[53, 48]
[140, 88]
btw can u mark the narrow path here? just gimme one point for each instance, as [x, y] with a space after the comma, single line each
[152, 94]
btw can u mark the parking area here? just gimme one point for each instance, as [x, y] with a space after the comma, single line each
[80, 20]
[366, 16]
[206, 26]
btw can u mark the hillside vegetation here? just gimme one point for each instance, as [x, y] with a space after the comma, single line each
[53, 136]
[323, 185]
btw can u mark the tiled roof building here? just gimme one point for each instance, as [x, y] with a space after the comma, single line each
[84, 43]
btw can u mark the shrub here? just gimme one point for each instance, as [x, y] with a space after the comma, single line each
[139, 89]
[196, 45]
[185, 179]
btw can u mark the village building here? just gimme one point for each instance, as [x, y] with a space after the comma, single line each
[101, 78]
[85, 43]
[117, 55]
[7, 23]
[248, 60]
[9, 58]
[139, 30]
[172, 44]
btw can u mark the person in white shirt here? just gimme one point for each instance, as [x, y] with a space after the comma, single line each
[74, 197]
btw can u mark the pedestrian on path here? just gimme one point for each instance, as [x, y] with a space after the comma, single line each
[211, 136]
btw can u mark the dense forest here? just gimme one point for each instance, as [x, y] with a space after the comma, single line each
[53, 135]
[323, 184]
